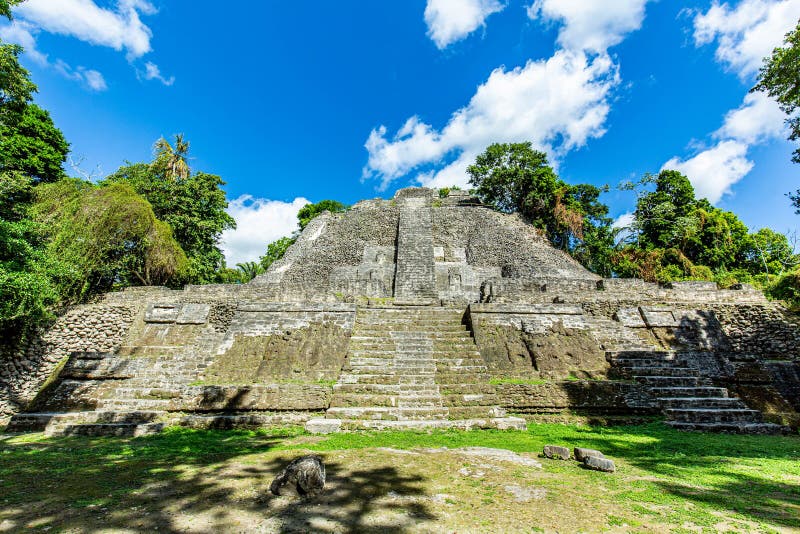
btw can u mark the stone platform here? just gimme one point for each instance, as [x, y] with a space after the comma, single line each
[417, 312]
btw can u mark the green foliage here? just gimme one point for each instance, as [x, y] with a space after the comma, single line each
[309, 211]
[108, 236]
[515, 178]
[249, 270]
[275, 251]
[675, 236]
[193, 205]
[26, 289]
[780, 79]
[444, 191]
[31, 143]
[787, 287]
[16, 88]
[5, 7]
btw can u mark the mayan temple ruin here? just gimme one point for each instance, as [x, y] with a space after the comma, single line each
[414, 312]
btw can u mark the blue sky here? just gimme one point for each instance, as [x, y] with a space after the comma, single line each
[298, 101]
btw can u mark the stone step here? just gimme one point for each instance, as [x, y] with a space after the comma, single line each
[473, 399]
[731, 428]
[386, 413]
[670, 381]
[456, 368]
[401, 327]
[385, 389]
[612, 355]
[701, 415]
[446, 379]
[132, 404]
[472, 412]
[397, 400]
[663, 371]
[37, 422]
[106, 429]
[647, 362]
[389, 362]
[702, 391]
[467, 389]
[500, 423]
[417, 370]
[142, 392]
[371, 379]
[701, 402]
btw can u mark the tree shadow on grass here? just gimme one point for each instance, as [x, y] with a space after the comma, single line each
[189, 481]
[370, 499]
[713, 469]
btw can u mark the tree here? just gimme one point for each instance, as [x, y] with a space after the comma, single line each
[249, 270]
[5, 7]
[172, 162]
[309, 211]
[26, 288]
[515, 178]
[275, 251]
[193, 205]
[779, 77]
[31, 143]
[16, 87]
[108, 235]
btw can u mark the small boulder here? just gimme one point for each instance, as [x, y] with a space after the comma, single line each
[581, 454]
[304, 476]
[599, 464]
[555, 452]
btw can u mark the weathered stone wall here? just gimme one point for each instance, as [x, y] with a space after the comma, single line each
[546, 340]
[315, 352]
[96, 327]
[593, 397]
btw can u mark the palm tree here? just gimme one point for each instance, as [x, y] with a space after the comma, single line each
[249, 270]
[173, 159]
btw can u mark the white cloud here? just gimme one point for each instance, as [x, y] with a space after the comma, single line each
[152, 72]
[120, 28]
[23, 34]
[591, 25]
[452, 20]
[557, 104]
[259, 221]
[94, 80]
[747, 33]
[758, 119]
[623, 221]
[713, 171]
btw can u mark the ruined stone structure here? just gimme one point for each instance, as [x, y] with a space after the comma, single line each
[413, 312]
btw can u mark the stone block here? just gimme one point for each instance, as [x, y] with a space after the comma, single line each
[323, 426]
[192, 313]
[581, 454]
[630, 317]
[599, 464]
[658, 317]
[556, 452]
[161, 313]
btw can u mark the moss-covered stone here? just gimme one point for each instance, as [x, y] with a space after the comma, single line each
[313, 353]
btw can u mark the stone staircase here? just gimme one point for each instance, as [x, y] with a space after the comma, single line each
[413, 368]
[415, 276]
[150, 378]
[689, 401]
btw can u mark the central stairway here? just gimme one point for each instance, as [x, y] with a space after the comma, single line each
[414, 367]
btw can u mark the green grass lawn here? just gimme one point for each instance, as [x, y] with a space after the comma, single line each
[666, 480]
